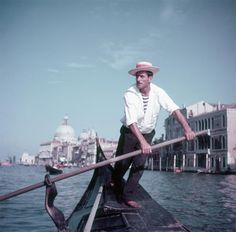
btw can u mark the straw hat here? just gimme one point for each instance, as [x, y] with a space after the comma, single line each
[144, 66]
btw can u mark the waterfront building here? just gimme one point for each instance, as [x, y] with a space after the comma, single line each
[27, 159]
[215, 153]
[84, 154]
[67, 149]
[108, 146]
[60, 148]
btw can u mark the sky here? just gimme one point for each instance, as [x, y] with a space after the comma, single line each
[68, 57]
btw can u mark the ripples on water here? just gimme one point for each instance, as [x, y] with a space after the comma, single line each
[202, 202]
[26, 212]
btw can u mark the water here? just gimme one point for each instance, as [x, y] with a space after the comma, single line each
[202, 202]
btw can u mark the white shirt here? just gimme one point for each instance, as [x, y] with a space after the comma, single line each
[134, 112]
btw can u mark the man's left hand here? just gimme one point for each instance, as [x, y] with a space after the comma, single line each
[190, 135]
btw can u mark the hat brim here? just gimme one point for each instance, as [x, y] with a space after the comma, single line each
[150, 69]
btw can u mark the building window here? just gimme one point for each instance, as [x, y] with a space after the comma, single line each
[212, 162]
[209, 124]
[217, 122]
[212, 123]
[224, 142]
[224, 161]
[190, 162]
[190, 145]
[224, 122]
[201, 158]
[216, 142]
[203, 142]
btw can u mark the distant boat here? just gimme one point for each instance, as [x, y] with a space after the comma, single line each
[53, 170]
[178, 170]
[204, 171]
[6, 164]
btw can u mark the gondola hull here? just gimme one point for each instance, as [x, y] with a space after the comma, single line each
[113, 216]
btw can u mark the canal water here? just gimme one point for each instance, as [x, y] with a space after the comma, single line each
[202, 202]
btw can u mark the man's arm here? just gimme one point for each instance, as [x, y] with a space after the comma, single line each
[189, 134]
[145, 146]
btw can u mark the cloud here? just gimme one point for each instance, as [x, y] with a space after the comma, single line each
[173, 11]
[119, 56]
[57, 76]
[54, 76]
[78, 65]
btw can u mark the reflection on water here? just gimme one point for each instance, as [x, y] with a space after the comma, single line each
[202, 202]
[229, 192]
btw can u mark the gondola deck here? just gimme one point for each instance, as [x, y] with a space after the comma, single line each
[114, 216]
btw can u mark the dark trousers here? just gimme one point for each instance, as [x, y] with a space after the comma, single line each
[128, 143]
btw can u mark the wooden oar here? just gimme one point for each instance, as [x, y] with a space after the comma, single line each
[93, 166]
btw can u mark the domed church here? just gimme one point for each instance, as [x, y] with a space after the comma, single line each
[65, 133]
[66, 148]
[60, 149]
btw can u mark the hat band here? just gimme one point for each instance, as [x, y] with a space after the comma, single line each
[143, 66]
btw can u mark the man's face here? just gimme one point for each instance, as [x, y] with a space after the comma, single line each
[142, 80]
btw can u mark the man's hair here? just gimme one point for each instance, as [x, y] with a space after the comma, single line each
[149, 73]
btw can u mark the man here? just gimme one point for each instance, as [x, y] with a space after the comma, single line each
[143, 102]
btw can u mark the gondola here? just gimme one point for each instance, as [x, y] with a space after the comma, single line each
[53, 170]
[98, 209]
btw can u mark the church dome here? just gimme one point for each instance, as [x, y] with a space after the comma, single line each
[65, 133]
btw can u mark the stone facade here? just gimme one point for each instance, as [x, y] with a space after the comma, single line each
[214, 154]
[84, 154]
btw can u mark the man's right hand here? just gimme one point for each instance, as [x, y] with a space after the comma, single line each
[146, 147]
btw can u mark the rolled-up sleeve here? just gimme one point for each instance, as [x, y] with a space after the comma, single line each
[166, 102]
[130, 108]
